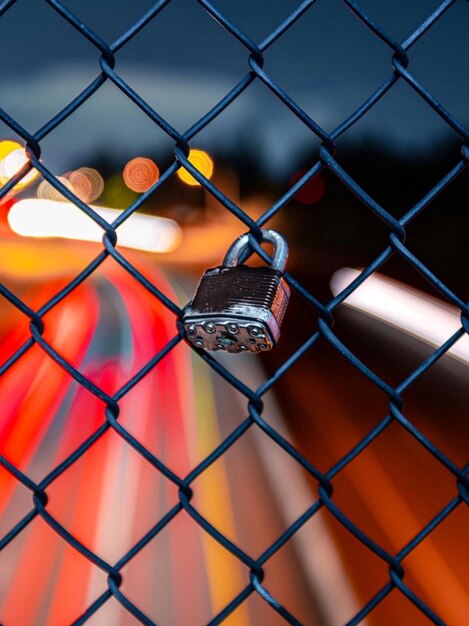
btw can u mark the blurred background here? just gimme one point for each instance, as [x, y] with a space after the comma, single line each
[108, 153]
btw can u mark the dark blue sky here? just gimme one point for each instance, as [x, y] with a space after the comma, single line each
[183, 62]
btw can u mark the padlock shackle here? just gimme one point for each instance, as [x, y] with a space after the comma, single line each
[279, 261]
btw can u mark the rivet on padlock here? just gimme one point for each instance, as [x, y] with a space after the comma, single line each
[238, 308]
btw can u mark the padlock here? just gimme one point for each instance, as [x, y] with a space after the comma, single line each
[239, 308]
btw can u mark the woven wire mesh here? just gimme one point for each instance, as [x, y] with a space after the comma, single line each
[256, 53]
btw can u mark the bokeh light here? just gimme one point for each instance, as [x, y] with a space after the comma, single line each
[8, 146]
[12, 158]
[87, 183]
[140, 174]
[202, 162]
[312, 191]
[45, 191]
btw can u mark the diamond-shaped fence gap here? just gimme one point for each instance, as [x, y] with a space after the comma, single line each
[329, 95]
[106, 125]
[436, 405]
[255, 609]
[117, 313]
[35, 269]
[410, 283]
[400, 20]
[212, 412]
[289, 574]
[15, 323]
[277, 131]
[106, 482]
[347, 228]
[29, 415]
[241, 371]
[354, 410]
[234, 410]
[256, 21]
[380, 378]
[405, 352]
[401, 274]
[60, 592]
[209, 226]
[107, 334]
[109, 26]
[443, 585]
[405, 177]
[395, 608]
[234, 402]
[437, 63]
[320, 563]
[438, 268]
[446, 298]
[412, 271]
[443, 259]
[250, 480]
[15, 501]
[262, 611]
[139, 268]
[407, 125]
[72, 63]
[181, 427]
[168, 92]
[274, 417]
[363, 582]
[55, 426]
[327, 229]
[112, 612]
[184, 561]
[387, 351]
[203, 70]
[373, 488]
[82, 310]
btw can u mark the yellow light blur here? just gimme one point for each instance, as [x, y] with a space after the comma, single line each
[8, 146]
[12, 158]
[201, 161]
[48, 218]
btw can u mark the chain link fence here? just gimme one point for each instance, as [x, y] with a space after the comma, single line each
[256, 54]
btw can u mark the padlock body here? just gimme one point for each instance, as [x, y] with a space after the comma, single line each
[237, 309]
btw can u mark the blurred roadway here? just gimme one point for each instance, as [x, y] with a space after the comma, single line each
[323, 575]
[394, 487]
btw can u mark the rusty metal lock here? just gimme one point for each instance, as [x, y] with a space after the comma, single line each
[238, 308]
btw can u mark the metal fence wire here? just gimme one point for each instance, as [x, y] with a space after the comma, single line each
[106, 57]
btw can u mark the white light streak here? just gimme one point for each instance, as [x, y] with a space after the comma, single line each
[48, 218]
[411, 311]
